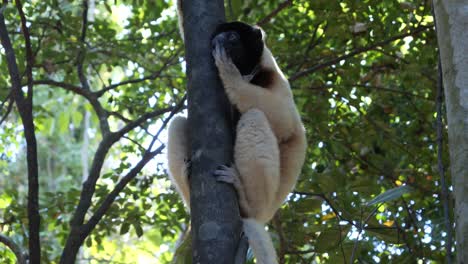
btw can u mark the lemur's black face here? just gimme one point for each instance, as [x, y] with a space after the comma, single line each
[243, 43]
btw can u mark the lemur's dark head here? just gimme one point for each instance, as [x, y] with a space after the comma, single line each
[243, 44]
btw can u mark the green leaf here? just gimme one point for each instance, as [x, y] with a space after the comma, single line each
[124, 228]
[389, 195]
[138, 229]
[389, 235]
[330, 238]
[309, 205]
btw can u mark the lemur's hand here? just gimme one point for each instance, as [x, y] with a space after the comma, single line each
[224, 63]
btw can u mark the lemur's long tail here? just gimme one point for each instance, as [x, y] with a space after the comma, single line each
[260, 242]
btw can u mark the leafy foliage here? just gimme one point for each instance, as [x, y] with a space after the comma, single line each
[363, 74]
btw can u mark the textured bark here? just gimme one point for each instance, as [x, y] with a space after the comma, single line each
[24, 105]
[452, 34]
[215, 215]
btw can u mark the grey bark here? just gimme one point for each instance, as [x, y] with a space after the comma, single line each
[214, 210]
[452, 34]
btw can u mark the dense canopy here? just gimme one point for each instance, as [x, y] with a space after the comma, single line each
[107, 77]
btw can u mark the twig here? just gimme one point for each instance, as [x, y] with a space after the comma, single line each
[385, 89]
[355, 52]
[275, 12]
[361, 228]
[328, 201]
[283, 246]
[314, 41]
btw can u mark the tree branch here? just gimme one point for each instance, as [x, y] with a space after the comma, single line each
[79, 231]
[25, 110]
[356, 52]
[69, 87]
[29, 53]
[15, 248]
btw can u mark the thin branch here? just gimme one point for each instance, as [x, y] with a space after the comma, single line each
[10, 101]
[90, 96]
[69, 87]
[84, 17]
[283, 244]
[82, 52]
[15, 248]
[143, 118]
[392, 55]
[97, 216]
[29, 52]
[356, 52]
[275, 12]
[361, 228]
[314, 41]
[140, 147]
[179, 106]
[398, 91]
[119, 116]
[152, 76]
[328, 201]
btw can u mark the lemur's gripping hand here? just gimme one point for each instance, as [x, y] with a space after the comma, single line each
[227, 69]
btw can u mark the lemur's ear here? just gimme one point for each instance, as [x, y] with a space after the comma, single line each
[259, 33]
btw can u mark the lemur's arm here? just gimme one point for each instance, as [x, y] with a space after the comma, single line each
[240, 92]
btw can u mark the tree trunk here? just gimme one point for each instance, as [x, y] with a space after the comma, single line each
[214, 210]
[452, 34]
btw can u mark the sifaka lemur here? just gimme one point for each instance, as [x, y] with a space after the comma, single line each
[270, 142]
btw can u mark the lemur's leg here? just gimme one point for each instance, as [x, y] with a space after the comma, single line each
[293, 152]
[256, 157]
[177, 156]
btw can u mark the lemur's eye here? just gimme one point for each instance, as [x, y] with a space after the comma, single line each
[233, 36]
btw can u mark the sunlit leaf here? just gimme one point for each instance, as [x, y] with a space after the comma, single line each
[390, 195]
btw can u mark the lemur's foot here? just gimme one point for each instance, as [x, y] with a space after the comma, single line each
[227, 174]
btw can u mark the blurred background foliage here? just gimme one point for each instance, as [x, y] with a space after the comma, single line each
[364, 76]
